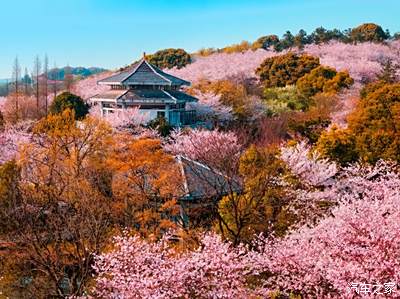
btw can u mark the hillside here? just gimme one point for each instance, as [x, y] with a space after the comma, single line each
[361, 60]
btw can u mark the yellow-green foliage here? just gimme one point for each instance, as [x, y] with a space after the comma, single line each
[338, 144]
[170, 58]
[283, 99]
[373, 129]
[371, 87]
[283, 70]
[261, 206]
[323, 79]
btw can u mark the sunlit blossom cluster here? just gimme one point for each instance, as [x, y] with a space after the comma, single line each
[10, 139]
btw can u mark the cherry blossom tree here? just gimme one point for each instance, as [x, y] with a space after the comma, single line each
[357, 244]
[139, 269]
[362, 60]
[124, 118]
[209, 107]
[217, 149]
[222, 65]
[88, 87]
[308, 165]
[10, 139]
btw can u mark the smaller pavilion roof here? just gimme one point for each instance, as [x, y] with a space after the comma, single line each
[202, 182]
[143, 73]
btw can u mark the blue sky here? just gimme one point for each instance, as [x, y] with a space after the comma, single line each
[112, 33]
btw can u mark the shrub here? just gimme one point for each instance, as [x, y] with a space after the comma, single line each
[338, 145]
[368, 32]
[170, 58]
[161, 125]
[204, 52]
[371, 87]
[283, 70]
[242, 47]
[266, 42]
[68, 100]
[281, 99]
[323, 79]
[373, 128]
[375, 124]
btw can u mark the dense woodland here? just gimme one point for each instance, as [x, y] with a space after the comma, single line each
[307, 126]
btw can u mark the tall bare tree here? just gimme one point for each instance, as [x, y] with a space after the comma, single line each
[16, 78]
[55, 81]
[26, 82]
[68, 78]
[37, 67]
[45, 80]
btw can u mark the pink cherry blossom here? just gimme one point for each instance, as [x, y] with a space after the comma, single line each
[122, 118]
[217, 149]
[308, 165]
[139, 269]
[88, 87]
[361, 60]
[221, 65]
[358, 243]
[209, 107]
[10, 140]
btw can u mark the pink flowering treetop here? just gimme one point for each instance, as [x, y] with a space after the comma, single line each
[139, 269]
[358, 243]
[124, 118]
[217, 149]
[308, 165]
[10, 139]
[209, 107]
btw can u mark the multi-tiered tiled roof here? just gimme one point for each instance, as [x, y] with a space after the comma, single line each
[144, 73]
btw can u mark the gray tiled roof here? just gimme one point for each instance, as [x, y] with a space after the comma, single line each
[139, 96]
[143, 73]
[201, 182]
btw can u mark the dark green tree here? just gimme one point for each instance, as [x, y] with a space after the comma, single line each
[170, 58]
[301, 39]
[287, 40]
[162, 125]
[68, 100]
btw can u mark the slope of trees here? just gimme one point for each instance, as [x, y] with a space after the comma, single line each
[94, 207]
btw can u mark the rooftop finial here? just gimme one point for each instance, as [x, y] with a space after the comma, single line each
[144, 55]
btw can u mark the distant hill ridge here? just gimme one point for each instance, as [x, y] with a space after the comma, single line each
[83, 72]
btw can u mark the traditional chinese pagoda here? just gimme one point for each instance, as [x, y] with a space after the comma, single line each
[153, 91]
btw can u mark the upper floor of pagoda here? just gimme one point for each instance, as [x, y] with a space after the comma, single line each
[143, 75]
